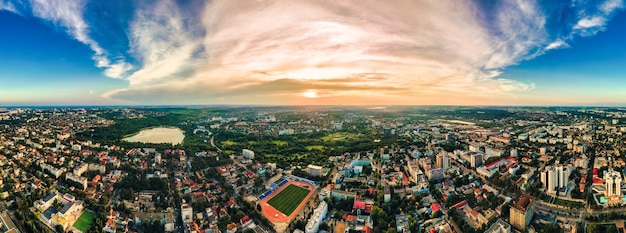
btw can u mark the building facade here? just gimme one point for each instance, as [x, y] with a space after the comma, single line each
[522, 211]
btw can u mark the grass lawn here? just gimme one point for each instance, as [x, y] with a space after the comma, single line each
[279, 142]
[288, 199]
[229, 143]
[315, 147]
[340, 136]
[84, 221]
[568, 203]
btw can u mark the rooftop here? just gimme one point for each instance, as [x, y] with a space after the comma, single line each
[524, 202]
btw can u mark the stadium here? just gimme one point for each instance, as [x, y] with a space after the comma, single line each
[282, 202]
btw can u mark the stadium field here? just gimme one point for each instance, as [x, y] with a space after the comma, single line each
[84, 221]
[289, 199]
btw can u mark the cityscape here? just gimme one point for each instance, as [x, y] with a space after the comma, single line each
[313, 169]
[312, 116]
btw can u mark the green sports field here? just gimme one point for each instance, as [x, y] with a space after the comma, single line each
[288, 199]
[84, 221]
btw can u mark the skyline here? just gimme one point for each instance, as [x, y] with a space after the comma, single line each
[528, 53]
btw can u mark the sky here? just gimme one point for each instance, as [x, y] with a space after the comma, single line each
[313, 52]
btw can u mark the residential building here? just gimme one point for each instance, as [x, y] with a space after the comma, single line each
[316, 218]
[499, 226]
[522, 211]
[314, 170]
[186, 211]
[476, 160]
[248, 154]
[442, 161]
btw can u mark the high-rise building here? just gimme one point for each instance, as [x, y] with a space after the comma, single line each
[476, 160]
[248, 154]
[555, 177]
[613, 183]
[563, 173]
[442, 161]
[318, 216]
[522, 211]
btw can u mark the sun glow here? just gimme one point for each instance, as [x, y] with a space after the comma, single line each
[310, 94]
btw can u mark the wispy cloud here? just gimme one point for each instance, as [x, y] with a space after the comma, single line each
[593, 18]
[166, 41]
[69, 15]
[6, 5]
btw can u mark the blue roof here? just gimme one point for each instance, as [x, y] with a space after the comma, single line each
[49, 197]
[49, 212]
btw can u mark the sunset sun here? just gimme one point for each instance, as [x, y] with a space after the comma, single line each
[310, 94]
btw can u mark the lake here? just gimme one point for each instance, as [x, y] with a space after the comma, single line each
[169, 135]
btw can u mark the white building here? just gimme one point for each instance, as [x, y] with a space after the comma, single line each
[286, 132]
[248, 154]
[76, 178]
[314, 170]
[79, 170]
[555, 177]
[186, 211]
[474, 148]
[499, 226]
[316, 219]
[492, 152]
[613, 182]
[56, 172]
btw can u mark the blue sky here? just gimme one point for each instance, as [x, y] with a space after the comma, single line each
[510, 52]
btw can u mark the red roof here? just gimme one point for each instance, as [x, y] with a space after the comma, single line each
[435, 207]
[510, 160]
[474, 213]
[405, 179]
[245, 219]
[459, 205]
[597, 180]
[359, 205]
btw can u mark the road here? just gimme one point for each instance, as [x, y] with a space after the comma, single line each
[213, 143]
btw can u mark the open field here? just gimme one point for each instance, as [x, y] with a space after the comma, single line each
[84, 221]
[279, 142]
[315, 147]
[340, 136]
[289, 199]
[229, 143]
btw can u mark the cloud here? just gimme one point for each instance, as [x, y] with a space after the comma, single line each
[165, 40]
[69, 15]
[557, 44]
[8, 6]
[593, 18]
[590, 22]
[415, 44]
[259, 51]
